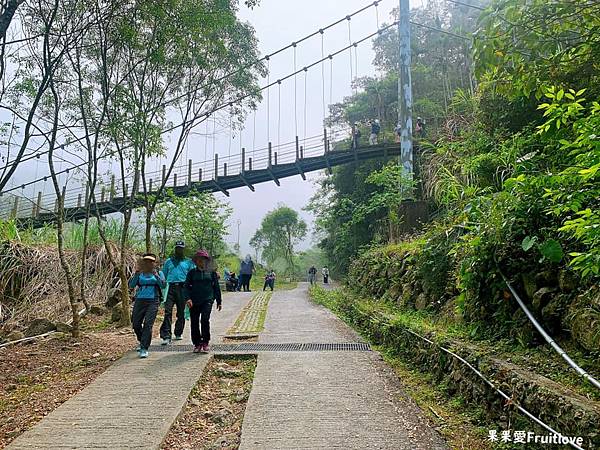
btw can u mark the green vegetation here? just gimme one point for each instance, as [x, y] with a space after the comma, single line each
[512, 173]
[199, 220]
[279, 232]
[464, 401]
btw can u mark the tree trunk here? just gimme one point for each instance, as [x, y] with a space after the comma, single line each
[149, 213]
[86, 226]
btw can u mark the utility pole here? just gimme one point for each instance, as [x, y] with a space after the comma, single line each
[405, 89]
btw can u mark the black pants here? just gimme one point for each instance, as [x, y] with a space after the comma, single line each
[325, 279]
[174, 297]
[142, 318]
[245, 282]
[269, 283]
[200, 321]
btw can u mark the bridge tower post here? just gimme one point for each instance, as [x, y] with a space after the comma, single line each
[243, 160]
[297, 148]
[200, 174]
[15, 209]
[250, 164]
[216, 176]
[174, 180]
[190, 173]
[270, 155]
[405, 89]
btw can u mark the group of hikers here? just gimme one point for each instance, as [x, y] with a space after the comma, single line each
[183, 282]
[312, 275]
[375, 128]
[234, 283]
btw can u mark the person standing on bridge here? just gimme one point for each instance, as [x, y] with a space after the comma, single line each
[148, 283]
[246, 270]
[375, 129]
[175, 269]
[201, 290]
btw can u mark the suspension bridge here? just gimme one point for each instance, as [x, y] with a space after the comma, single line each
[272, 162]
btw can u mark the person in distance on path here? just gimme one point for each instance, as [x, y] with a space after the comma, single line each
[312, 274]
[325, 273]
[246, 270]
[175, 269]
[201, 290]
[269, 280]
[148, 283]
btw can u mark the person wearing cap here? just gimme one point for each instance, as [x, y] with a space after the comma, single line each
[201, 290]
[175, 269]
[148, 283]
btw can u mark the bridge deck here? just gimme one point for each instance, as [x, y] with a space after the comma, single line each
[223, 184]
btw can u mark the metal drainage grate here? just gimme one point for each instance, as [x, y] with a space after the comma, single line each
[252, 347]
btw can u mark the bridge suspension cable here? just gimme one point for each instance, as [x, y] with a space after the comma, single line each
[245, 96]
[267, 57]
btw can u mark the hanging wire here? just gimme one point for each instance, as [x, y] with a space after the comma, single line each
[305, 97]
[206, 141]
[295, 93]
[268, 100]
[323, 71]
[350, 52]
[377, 13]
[254, 134]
[279, 113]
[355, 60]
[230, 133]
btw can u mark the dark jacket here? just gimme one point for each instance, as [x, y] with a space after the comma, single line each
[202, 286]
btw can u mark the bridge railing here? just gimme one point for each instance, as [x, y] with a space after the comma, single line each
[110, 188]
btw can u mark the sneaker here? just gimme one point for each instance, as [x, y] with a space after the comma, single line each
[205, 348]
[143, 353]
[138, 348]
[178, 338]
[165, 342]
[198, 348]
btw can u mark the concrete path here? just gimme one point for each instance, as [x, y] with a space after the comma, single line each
[134, 403]
[327, 400]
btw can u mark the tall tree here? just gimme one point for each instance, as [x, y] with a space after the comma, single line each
[280, 231]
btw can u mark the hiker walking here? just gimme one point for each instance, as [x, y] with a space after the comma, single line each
[246, 270]
[175, 269]
[269, 280]
[201, 290]
[355, 136]
[148, 283]
[375, 129]
[325, 273]
[312, 274]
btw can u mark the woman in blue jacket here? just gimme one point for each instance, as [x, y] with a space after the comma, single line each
[148, 283]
